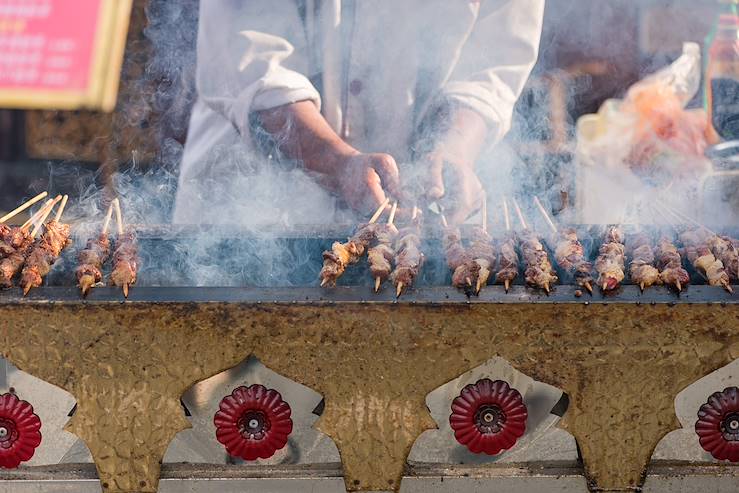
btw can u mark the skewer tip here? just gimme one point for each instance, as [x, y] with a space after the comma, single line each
[399, 290]
[678, 286]
[26, 289]
[546, 287]
[507, 284]
[589, 287]
[323, 282]
[641, 286]
[468, 281]
[728, 287]
[478, 287]
[378, 281]
[605, 286]
[125, 290]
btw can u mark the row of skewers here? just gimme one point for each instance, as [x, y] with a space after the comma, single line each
[29, 258]
[393, 254]
[473, 262]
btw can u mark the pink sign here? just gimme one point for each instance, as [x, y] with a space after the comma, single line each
[47, 45]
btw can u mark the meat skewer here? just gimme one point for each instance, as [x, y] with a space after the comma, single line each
[641, 268]
[723, 248]
[474, 263]
[408, 259]
[19, 242]
[342, 255]
[671, 265]
[570, 255]
[46, 251]
[703, 260]
[91, 259]
[611, 260]
[125, 257]
[569, 252]
[508, 259]
[381, 254]
[539, 272]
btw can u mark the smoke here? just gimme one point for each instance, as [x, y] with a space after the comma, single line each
[266, 219]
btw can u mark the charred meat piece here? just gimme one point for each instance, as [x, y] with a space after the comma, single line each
[610, 263]
[671, 265]
[43, 255]
[724, 248]
[641, 268]
[539, 271]
[696, 243]
[91, 260]
[408, 259]
[483, 254]
[570, 255]
[381, 254]
[341, 255]
[125, 261]
[507, 262]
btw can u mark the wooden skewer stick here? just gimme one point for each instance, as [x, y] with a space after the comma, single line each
[125, 290]
[34, 218]
[728, 287]
[23, 207]
[414, 214]
[544, 213]
[323, 282]
[379, 211]
[118, 215]
[378, 281]
[520, 214]
[391, 219]
[506, 214]
[684, 217]
[108, 216]
[546, 287]
[641, 286]
[444, 221]
[484, 212]
[678, 285]
[468, 280]
[589, 287]
[60, 211]
[399, 290]
[507, 284]
[37, 228]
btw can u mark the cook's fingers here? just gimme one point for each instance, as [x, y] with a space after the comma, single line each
[387, 169]
[376, 195]
[435, 179]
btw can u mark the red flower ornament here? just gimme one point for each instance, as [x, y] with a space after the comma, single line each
[488, 417]
[718, 425]
[19, 431]
[253, 422]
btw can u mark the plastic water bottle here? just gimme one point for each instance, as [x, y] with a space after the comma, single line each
[722, 74]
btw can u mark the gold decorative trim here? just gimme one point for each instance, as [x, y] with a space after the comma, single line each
[128, 364]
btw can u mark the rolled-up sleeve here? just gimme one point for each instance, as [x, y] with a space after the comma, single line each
[496, 61]
[252, 56]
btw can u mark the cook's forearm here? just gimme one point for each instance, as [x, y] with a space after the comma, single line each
[304, 134]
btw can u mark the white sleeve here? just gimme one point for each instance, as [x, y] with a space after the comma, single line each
[252, 55]
[496, 61]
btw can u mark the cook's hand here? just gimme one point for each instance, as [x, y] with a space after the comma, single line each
[365, 180]
[453, 183]
[451, 177]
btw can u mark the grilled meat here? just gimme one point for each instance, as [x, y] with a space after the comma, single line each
[724, 249]
[91, 260]
[539, 271]
[696, 243]
[380, 256]
[671, 265]
[408, 259]
[610, 263]
[641, 268]
[508, 262]
[43, 255]
[125, 261]
[341, 255]
[570, 255]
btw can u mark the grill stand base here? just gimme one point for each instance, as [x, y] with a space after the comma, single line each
[128, 364]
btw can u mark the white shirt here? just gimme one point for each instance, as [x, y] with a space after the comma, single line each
[380, 67]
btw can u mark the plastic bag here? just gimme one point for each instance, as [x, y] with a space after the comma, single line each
[649, 131]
